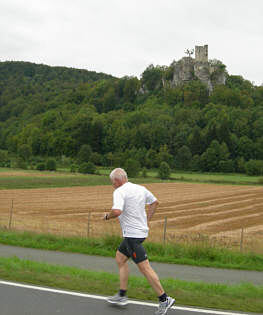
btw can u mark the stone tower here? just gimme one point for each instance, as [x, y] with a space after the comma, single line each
[201, 53]
[211, 73]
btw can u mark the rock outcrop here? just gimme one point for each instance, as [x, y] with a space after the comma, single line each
[211, 73]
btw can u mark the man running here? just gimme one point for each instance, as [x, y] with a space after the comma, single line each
[129, 202]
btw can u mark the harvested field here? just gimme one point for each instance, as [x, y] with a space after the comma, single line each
[195, 212]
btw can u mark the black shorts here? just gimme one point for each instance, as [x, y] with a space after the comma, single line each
[132, 247]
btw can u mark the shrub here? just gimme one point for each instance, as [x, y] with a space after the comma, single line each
[164, 171]
[254, 167]
[41, 167]
[227, 166]
[84, 154]
[20, 163]
[87, 168]
[51, 165]
[73, 168]
[4, 160]
[195, 163]
[144, 172]
[96, 158]
[132, 167]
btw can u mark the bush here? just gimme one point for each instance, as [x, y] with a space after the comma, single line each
[227, 166]
[195, 163]
[260, 180]
[73, 168]
[144, 172]
[241, 165]
[4, 160]
[96, 158]
[87, 168]
[164, 171]
[254, 167]
[84, 154]
[51, 165]
[20, 163]
[132, 167]
[41, 167]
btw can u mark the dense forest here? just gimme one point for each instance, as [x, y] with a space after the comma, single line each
[84, 116]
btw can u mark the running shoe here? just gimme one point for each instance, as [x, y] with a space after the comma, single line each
[164, 306]
[118, 300]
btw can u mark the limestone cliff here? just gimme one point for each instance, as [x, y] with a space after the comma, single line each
[211, 72]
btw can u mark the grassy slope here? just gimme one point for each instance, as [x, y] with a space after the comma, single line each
[244, 297]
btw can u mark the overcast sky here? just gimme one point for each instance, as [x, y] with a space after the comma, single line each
[122, 37]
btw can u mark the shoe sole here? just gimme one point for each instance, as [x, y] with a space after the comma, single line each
[118, 303]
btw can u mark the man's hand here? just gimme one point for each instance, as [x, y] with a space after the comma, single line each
[113, 214]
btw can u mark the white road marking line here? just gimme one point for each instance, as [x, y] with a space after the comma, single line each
[104, 298]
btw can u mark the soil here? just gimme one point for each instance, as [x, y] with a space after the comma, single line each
[193, 211]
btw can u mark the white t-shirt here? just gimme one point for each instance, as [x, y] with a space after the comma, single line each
[131, 200]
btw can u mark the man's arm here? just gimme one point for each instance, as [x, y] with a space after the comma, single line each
[114, 213]
[151, 210]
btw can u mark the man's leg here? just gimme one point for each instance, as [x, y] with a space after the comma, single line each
[146, 269]
[122, 262]
[120, 298]
[165, 302]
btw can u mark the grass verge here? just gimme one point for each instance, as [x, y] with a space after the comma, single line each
[198, 255]
[244, 297]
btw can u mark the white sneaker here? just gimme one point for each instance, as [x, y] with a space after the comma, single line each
[118, 300]
[164, 306]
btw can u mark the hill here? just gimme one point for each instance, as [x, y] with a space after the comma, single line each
[82, 115]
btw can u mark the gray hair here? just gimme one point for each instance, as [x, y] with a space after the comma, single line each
[119, 173]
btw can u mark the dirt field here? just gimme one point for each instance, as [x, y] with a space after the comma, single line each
[194, 212]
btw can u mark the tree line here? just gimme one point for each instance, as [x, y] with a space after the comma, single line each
[93, 117]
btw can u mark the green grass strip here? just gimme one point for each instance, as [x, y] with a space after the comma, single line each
[197, 255]
[67, 179]
[244, 297]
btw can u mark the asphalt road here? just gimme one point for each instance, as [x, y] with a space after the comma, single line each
[98, 263]
[18, 299]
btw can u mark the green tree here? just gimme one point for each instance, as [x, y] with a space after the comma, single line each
[254, 167]
[183, 158]
[151, 159]
[4, 159]
[164, 171]
[132, 167]
[164, 155]
[41, 167]
[152, 77]
[246, 148]
[215, 153]
[25, 152]
[84, 154]
[51, 165]
[87, 168]
[96, 158]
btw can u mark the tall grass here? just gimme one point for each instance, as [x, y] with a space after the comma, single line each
[199, 255]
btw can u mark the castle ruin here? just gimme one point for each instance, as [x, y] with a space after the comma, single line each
[201, 53]
[188, 69]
